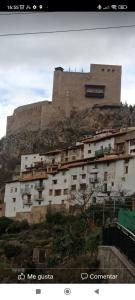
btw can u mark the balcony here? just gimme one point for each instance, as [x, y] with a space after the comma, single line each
[94, 180]
[39, 187]
[27, 202]
[26, 191]
[38, 199]
[103, 151]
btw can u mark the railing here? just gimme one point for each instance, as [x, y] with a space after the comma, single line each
[27, 202]
[39, 187]
[37, 198]
[26, 191]
[102, 152]
[120, 237]
[94, 180]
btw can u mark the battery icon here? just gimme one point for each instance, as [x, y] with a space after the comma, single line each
[122, 6]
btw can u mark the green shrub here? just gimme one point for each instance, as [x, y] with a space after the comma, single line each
[12, 251]
[4, 224]
[16, 226]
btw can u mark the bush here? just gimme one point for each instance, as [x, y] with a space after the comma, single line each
[12, 251]
[56, 218]
[4, 224]
[16, 226]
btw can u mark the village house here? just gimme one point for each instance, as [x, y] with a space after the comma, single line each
[51, 179]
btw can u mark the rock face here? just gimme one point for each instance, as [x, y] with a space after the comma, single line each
[72, 92]
[66, 132]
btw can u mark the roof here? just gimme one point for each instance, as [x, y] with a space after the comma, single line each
[106, 158]
[96, 138]
[33, 177]
[56, 151]
[68, 165]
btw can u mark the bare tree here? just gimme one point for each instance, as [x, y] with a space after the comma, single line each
[82, 198]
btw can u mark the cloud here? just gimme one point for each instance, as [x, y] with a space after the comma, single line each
[27, 62]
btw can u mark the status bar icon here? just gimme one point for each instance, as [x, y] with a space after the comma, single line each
[114, 7]
[99, 7]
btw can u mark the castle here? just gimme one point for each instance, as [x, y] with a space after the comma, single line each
[72, 91]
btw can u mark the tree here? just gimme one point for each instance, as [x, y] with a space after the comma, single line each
[82, 198]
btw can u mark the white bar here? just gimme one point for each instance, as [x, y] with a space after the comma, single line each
[78, 291]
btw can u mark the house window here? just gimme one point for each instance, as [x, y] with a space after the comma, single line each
[50, 202]
[74, 177]
[57, 192]
[50, 192]
[26, 158]
[11, 190]
[73, 157]
[62, 201]
[14, 200]
[89, 151]
[25, 166]
[73, 187]
[65, 180]
[29, 199]
[105, 187]
[132, 151]
[120, 147]
[105, 176]
[112, 183]
[63, 173]
[126, 169]
[132, 142]
[54, 181]
[94, 200]
[83, 186]
[94, 91]
[65, 191]
[83, 176]
[82, 167]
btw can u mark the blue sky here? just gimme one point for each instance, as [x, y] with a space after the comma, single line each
[27, 62]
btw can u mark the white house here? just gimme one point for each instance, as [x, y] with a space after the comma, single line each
[108, 174]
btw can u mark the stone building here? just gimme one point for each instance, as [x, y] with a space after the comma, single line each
[72, 91]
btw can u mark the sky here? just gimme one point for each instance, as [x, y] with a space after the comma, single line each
[27, 62]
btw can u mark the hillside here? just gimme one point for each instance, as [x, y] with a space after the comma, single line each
[68, 131]
[61, 134]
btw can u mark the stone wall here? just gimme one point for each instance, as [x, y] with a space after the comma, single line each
[112, 261]
[69, 94]
[38, 213]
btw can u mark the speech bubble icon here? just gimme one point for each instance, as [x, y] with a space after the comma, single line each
[84, 276]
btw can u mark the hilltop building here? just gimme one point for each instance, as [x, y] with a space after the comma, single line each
[72, 92]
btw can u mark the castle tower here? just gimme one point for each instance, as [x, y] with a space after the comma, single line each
[102, 85]
[72, 91]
